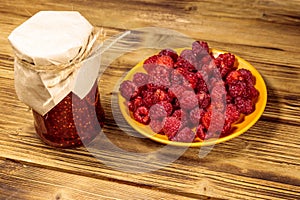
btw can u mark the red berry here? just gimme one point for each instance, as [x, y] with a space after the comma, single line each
[232, 113]
[247, 75]
[200, 131]
[184, 135]
[150, 63]
[142, 115]
[245, 106]
[203, 99]
[188, 100]
[171, 127]
[128, 89]
[133, 104]
[233, 77]
[140, 79]
[184, 64]
[157, 112]
[200, 48]
[165, 61]
[225, 63]
[181, 116]
[195, 116]
[169, 52]
[160, 76]
[157, 125]
[238, 89]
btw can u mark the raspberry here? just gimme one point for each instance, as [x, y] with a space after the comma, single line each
[169, 52]
[205, 120]
[176, 91]
[195, 116]
[203, 99]
[157, 125]
[232, 114]
[184, 135]
[238, 89]
[142, 115]
[176, 77]
[192, 80]
[181, 115]
[253, 93]
[189, 56]
[188, 100]
[245, 106]
[200, 131]
[167, 107]
[128, 89]
[225, 63]
[140, 79]
[165, 61]
[150, 63]
[160, 95]
[135, 103]
[200, 48]
[233, 77]
[148, 99]
[184, 64]
[247, 75]
[160, 76]
[171, 127]
[157, 112]
[201, 87]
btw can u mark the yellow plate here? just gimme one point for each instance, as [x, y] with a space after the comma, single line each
[239, 128]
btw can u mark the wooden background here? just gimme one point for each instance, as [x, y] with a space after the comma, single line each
[263, 163]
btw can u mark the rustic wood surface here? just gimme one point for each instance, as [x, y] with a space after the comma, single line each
[263, 163]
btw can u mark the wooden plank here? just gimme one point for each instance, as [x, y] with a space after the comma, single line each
[19, 181]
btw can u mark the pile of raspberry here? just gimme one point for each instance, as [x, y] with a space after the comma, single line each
[180, 94]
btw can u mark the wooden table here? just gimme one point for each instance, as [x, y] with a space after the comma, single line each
[263, 163]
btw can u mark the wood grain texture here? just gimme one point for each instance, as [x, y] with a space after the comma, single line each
[263, 163]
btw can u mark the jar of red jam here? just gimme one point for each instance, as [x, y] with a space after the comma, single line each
[57, 61]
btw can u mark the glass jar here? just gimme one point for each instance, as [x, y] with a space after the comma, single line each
[72, 121]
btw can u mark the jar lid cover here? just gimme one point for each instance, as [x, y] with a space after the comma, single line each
[51, 37]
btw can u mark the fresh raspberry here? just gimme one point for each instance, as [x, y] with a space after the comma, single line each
[195, 116]
[238, 89]
[245, 106]
[128, 89]
[226, 130]
[133, 104]
[225, 63]
[176, 77]
[201, 132]
[181, 116]
[202, 86]
[160, 76]
[203, 99]
[184, 135]
[247, 75]
[165, 61]
[229, 99]
[232, 114]
[200, 48]
[233, 77]
[189, 56]
[157, 125]
[171, 127]
[157, 112]
[140, 79]
[167, 107]
[184, 64]
[176, 91]
[253, 92]
[188, 100]
[160, 95]
[142, 115]
[150, 63]
[148, 99]
[169, 52]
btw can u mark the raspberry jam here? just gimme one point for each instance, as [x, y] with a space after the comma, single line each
[73, 121]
